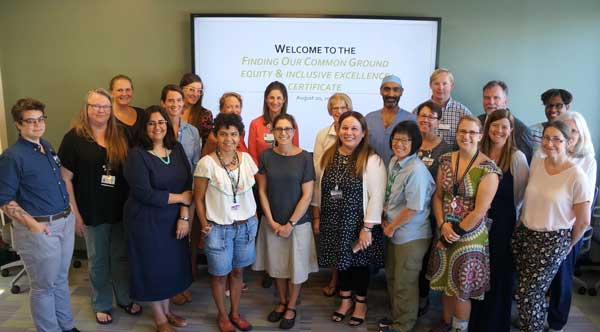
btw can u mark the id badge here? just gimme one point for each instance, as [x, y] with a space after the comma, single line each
[269, 138]
[427, 161]
[336, 193]
[444, 126]
[108, 180]
[235, 206]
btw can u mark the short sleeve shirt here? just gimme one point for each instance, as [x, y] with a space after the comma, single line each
[285, 177]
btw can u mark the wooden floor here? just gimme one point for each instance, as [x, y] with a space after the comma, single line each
[313, 312]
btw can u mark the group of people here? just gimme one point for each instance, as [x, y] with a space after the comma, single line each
[441, 199]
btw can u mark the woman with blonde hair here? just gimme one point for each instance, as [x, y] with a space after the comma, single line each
[93, 155]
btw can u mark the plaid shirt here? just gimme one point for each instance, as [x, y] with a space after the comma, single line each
[451, 114]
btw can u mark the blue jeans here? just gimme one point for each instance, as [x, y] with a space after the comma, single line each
[47, 259]
[230, 246]
[108, 265]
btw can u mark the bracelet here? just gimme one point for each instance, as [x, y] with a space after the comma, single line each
[184, 218]
[367, 229]
[292, 223]
[442, 225]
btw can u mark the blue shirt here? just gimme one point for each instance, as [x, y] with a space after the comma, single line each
[409, 185]
[32, 179]
[189, 138]
[379, 137]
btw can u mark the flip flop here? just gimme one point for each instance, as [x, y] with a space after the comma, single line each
[106, 322]
[129, 309]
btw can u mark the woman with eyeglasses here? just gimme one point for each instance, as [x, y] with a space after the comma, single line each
[352, 191]
[261, 136]
[466, 183]
[285, 245]
[582, 153]
[493, 312]
[406, 224]
[93, 155]
[157, 217]
[226, 209]
[555, 214]
[171, 99]
[121, 89]
[193, 111]
[432, 147]
[338, 104]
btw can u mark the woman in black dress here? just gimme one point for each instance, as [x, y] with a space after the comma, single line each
[157, 217]
[352, 194]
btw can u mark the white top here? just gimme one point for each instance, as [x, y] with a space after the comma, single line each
[520, 172]
[325, 138]
[549, 199]
[588, 166]
[219, 194]
[374, 182]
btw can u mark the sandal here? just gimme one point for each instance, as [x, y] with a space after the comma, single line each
[240, 323]
[129, 308]
[106, 322]
[329, 290]
[176, 320]
[179, 299]
[286, 323]
[225, 325]
[187, 294]
[338, 316]
[164, 327]
[275, 315]
[357, 321]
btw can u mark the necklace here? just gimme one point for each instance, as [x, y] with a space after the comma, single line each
[235, 182]
[234, 161]
[166, 160]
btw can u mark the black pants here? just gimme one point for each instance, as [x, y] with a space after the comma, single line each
[355, 279]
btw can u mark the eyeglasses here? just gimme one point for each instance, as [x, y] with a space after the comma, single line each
[157, 123]
[429, 117]
[555, 106]
[33, 121]
[288, 130]
[192, 90]
[553, 139]
[404, 141]
[468, 132]
[97, 107]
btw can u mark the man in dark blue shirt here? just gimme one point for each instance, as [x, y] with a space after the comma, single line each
[34, 196]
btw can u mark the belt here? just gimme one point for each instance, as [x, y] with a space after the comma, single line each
[62, 214]
[235, 223]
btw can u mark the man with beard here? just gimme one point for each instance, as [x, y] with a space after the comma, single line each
[495, 97]
[381, 122]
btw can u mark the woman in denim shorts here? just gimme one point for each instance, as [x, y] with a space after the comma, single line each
[226, 210]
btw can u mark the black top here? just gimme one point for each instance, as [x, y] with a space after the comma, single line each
[129, 130]
[285, 176]
[32, 178]
[98, 202]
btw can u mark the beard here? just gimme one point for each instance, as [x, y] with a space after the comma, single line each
[391, 102]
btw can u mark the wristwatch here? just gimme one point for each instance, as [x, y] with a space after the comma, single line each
[293, 223]
[184, 218]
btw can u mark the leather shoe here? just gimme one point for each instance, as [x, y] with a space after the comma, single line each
[164, 327]
[176, 320]
[225, 325]
[179, 299]
[241, 323]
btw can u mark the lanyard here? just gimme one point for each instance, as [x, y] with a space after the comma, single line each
[234, 187]
[457, 183]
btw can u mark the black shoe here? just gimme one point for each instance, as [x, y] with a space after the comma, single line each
[72, 330]
[384, 322]
[357, 321]
[275, 315]
[286, 324]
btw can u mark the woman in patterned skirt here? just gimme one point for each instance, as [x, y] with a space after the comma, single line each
[467, 181]
[556, 212]
[352, 195]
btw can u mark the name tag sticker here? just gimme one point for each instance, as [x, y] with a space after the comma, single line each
[269, 138]
[336, 194]
[235, 206]
[444, 126]
[108, 180]
[428, 161]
